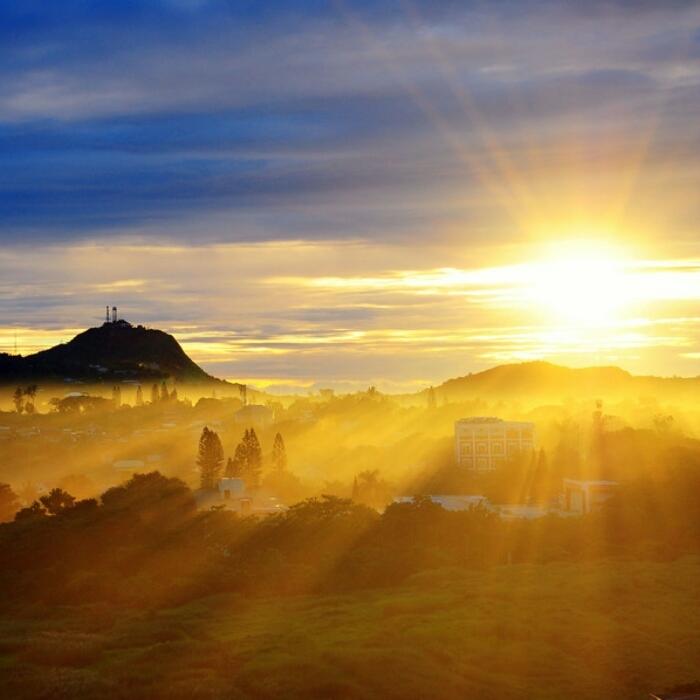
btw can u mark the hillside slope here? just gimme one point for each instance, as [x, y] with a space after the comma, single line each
[111, 351]
[545, 380]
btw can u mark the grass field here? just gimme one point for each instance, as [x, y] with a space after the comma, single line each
[605, 630]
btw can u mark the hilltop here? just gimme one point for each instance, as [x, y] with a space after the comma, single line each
[546, 380]
[114, 350]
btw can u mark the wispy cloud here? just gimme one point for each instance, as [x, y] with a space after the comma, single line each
[268, 310]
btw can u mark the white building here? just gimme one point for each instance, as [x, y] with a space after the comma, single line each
[484, 444]
[582, 497]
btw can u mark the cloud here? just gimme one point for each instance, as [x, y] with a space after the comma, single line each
[354, 311]
[330, 177]
[350, 119]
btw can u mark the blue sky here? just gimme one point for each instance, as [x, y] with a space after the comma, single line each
[461, 134]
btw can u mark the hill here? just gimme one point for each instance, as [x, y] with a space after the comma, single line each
[544, 380]
[512, 632]
[114, 350]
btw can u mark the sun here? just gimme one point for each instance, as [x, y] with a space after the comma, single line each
[580, 283]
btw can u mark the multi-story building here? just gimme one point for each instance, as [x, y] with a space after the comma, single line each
[484, 444]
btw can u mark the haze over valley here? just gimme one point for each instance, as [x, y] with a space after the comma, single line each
[349, 350]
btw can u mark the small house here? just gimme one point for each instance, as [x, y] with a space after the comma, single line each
[583, 497]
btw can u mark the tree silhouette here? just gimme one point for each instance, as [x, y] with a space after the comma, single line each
[247, 460]
[9, 503]
[209, 459]
[139, 396]
[30, 393]
[56, 501]
[370, 489]
[36, 510]
[164, 395]
[17, 399]
[236, 466]
[154, 394]
[253, 459]
[279, 454]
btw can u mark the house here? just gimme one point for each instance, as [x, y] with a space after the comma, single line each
[229, 487]
[231, 494]
[485, 444]
[582, 497]
[521, 512]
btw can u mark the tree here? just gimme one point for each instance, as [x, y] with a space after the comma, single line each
[80, 404]
[36, 510]
[139, 396]
[17, 398]
[164, 394]
[247, 460]
[235, 468]
[154, 394]
[279, 454]
[116, 396]
[9, 503]
[369, 488]
[151, 497]
[209, 459]
[173, 394]
[30, 393]
[432, 401]
[56, 501]
[253, 459]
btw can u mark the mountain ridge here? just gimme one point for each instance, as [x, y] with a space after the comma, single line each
[539, 378]
[113, 351]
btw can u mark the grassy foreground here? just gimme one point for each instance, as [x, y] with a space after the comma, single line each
[605, 630]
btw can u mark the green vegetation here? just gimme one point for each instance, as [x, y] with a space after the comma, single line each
[612, 629]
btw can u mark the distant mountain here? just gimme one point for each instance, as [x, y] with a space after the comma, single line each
[113, 351]
[544, 380]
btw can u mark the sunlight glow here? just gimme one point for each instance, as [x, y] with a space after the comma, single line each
[582, 284]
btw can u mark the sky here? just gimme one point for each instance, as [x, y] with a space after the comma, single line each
[347, 193]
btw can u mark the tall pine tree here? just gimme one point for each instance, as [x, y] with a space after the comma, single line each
[236, 467]
[247, 460]
[253, 459]
[279, 454]
[210, 457]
